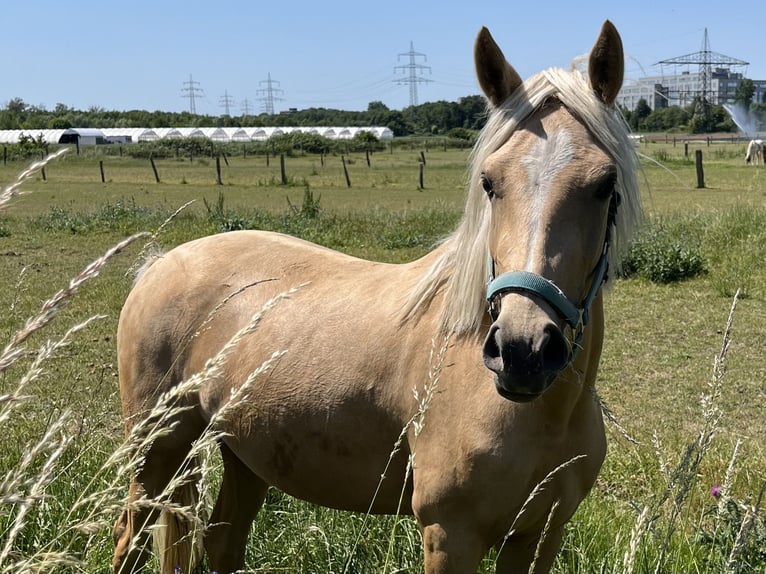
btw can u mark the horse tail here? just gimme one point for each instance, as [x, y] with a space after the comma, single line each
[140, 268]
[178, 536]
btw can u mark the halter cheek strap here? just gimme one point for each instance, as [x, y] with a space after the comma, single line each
[576, 316]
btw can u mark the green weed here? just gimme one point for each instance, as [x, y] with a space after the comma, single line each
[664, 254]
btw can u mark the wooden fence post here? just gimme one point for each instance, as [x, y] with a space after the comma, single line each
[700, 172]
[218, 179]
[423, 158]
[345, 170]
[154, 168]
[421, 186]
[101, 169]
[282, 168]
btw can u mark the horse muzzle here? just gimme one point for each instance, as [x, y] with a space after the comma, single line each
[527, 357]
[525, 365]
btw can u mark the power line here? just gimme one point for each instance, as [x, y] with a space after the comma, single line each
[706, 59]
[226, 101]
[413, 70]
[269, 92]
[244, 107]
[192, 91]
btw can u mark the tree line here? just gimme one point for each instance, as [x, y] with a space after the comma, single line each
[460, 119]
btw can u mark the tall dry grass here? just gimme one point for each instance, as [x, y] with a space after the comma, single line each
[24, 487]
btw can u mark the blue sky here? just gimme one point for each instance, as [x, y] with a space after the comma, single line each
[137, 54]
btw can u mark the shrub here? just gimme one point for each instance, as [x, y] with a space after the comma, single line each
[663, 256]
[463, 134]
[305, 142]
[123, 215]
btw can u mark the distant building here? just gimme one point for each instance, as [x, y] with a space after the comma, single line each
[681, 89]
[84, 136]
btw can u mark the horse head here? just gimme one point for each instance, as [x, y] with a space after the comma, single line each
[551, 187]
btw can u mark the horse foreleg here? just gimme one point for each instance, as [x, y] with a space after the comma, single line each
[529, 554]
[451, 548]
[241, 496]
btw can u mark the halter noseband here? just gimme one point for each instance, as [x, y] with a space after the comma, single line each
[576, 317]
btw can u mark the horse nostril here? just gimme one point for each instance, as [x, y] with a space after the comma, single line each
[554, 350]
[491, 350]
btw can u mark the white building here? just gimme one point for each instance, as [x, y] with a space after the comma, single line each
[681, 89]
[87, 136]
[81, 136]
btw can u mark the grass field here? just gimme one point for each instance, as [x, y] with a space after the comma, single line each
[658, 362]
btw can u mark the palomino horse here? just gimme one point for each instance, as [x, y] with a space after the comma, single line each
[754, 153]
[552, 198]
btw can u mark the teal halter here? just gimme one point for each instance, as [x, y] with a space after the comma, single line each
[524, 282]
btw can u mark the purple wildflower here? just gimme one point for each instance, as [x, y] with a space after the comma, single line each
[715, 492]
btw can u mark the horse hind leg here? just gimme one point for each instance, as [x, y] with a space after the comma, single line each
[239, 500]
[530, 554]
[165, 459]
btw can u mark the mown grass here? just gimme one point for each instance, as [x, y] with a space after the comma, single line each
[662, 339]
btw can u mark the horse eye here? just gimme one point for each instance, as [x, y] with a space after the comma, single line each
[606, 187]
[486, 185]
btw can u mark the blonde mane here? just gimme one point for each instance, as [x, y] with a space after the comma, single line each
[461, 271]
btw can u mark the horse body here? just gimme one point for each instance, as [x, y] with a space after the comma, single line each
[313, 418]
[754, 154]
[323, 420]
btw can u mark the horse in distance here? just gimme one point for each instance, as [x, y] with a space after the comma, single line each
[754, 153]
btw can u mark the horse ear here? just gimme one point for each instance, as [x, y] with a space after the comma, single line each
[606, 65]
[496, 76]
